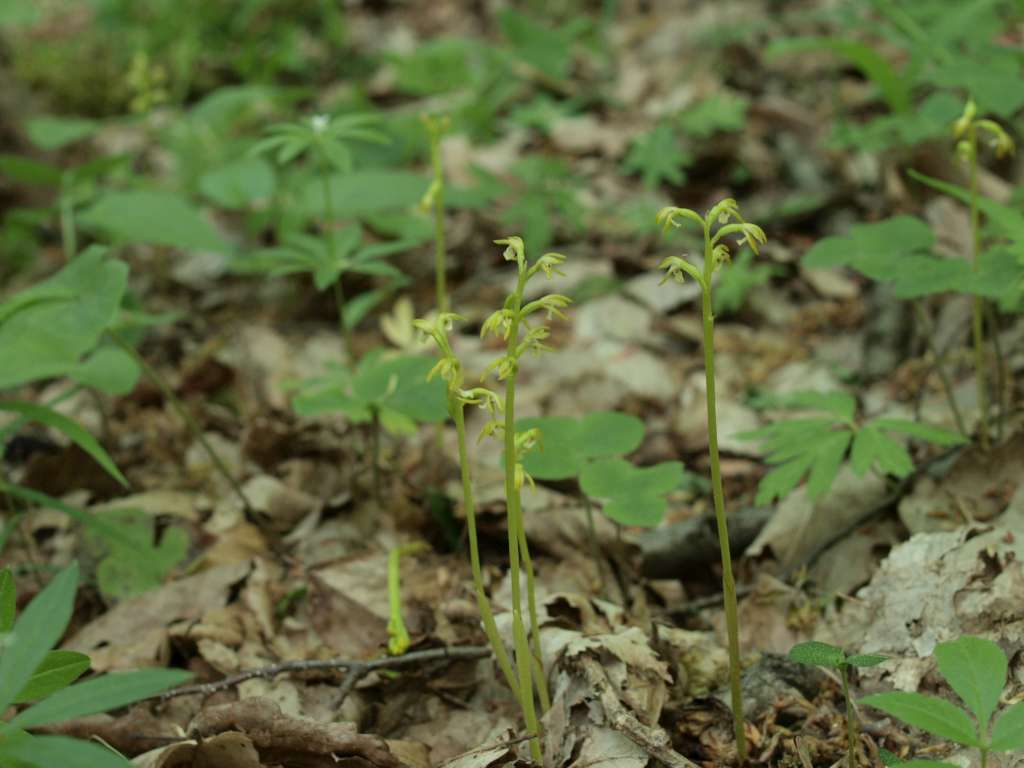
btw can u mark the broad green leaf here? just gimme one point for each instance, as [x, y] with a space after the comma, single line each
[36, 631]
[8, 600]
[641, 511]
[70, 429]
[109, 369]
[58, 670]
[936, 716]
[827, 460]
[436, 66]
[976, 669]
[866, 659]
[25, 170]
[51, 132]
[926, 432]
[608, 433]
[239, 183]
[157, 218]
[52, 751]
[1008, 731]
[362, 193]
[618, 478]
[817, 654]
[547, 49]
[557, 457]
[893, 86]
[47, 338]
[100, 694]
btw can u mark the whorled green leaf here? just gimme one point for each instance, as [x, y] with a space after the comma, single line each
[70, 429]
[872, 448]
[927, 432]
[364, 193]
[100, 694]
[931, 714]
[817, 654]
[58, 670]
[239, 183]
[976, 669]
[828, 458]
[35, 632]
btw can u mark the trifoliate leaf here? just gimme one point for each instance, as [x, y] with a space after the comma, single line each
[976, 669]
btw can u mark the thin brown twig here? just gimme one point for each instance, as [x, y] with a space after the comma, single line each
[356, 669]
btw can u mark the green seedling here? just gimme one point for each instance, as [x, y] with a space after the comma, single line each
[449, 369]
[388, 392]
[327, 140]
[967, 130]
[398, 636]
[975, 668]
[819, 654]
[816, 446]
[31, 672]
[433, 201]
[721, 221]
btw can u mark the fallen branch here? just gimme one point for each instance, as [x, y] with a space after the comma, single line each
[356, 670]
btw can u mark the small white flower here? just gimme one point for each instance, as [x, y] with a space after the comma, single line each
[319, 123]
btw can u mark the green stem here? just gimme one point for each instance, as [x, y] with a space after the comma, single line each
[976, 302]
[483, 604]
[339, 291]
[728, 580]
[524, 663]
[940, 366]
[531, 603]
[375, 451]
[68, 237]
[1000, 383]
[185, 415]
[851, 721]
[595, 546]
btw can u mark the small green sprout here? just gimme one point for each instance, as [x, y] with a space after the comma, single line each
[722, 221]
[968, 130]
[976, 670]
[398, 636]
[820, 654]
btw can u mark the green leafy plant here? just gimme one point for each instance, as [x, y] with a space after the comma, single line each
[327, 140]
[31, 672]
[820, 654]
[721, 221]
[975, 668]
[816, 446]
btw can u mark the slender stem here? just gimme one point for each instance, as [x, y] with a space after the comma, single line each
[531, 604]
[977, 301]
[1000, 384]
[940, 366]
[439, 235]
[728, 580]
[851, 720]
[339, 291]
[185, 415]
[68, 236]
[483, 604]
[375, 451]
[595, 545]
[524, 663]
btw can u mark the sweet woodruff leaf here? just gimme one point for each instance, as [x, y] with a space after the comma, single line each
[568, 444]
[46, 329]
[631, 495]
